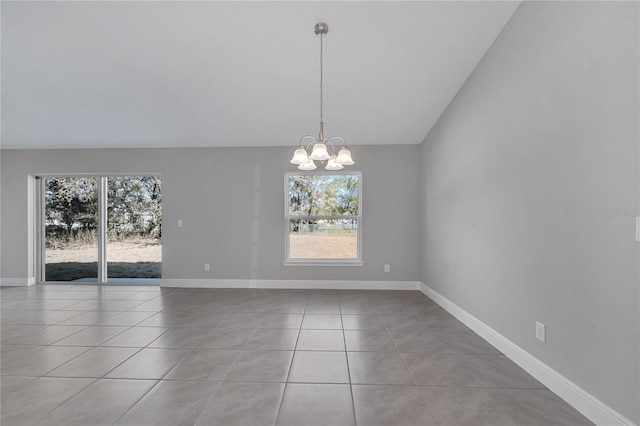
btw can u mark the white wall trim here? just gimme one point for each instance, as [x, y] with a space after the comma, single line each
[293, 284]
[587, 404]
[17, 282]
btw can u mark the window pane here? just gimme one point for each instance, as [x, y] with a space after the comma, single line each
[323, 239]
[134, 237]
[71, 226]
[323, 195]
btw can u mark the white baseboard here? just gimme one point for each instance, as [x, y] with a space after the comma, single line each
[292, 284]
[587, 404]
[17, 282]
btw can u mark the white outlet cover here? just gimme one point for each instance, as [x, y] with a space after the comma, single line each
[541, 331]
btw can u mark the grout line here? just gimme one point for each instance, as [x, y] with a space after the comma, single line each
[295, 349]
[346, 355]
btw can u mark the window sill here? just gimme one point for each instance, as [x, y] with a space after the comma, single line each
[332, 262]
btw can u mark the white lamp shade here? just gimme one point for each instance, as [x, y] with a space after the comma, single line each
[309, 165]
[344, 157]
[332, 164]
[299, 156]
[319, 152]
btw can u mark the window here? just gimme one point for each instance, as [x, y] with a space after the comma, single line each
[323, 217]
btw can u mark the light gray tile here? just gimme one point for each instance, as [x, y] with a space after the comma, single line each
[42, 361]
[127, 318]
[402, 322]
[261, 366]
[94, 363]
[536, 407]
[225, 338]
[241, 320]
[142, 295]
[322, 322]
[320, 340]
[378, 368]
[362, 322]
[17, 335]
[319, 367]
[171, 403]
[288, 306]
[43, 336]
[204, 364]
[149, 363]
[281, 321]
[10, 384]
[91, 336]
[465, 342]
[150, 306]
[358, 307]
[136, 337]
[424, 311]
[455, 406]
[89, 318]
[102, 403]
[369, 340]
[497, 371]
[120, 305]
[243, 404]
[418, 341]
[316, 405]
[57, 316]
[27, 404]
[12, 352]
[440, 369]
[390, 405]
[322, 307]
[273, 339]
[180, 337]
[443, 323]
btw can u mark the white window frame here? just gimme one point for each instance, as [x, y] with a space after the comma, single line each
[287, 218]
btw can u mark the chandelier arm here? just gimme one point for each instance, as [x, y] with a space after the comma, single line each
[337, 137]
[333, 147]
[313, 139]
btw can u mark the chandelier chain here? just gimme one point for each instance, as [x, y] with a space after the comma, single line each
[323, 151]
[321, 89]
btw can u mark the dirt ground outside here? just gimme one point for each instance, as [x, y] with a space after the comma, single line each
[138, 258]
[142, 258]
[319, 246]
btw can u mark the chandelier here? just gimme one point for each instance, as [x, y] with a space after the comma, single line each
[304, 158]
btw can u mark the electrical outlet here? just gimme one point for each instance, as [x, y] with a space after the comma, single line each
[207, 267]
[541, 331]
[180, 223]
[387, 268]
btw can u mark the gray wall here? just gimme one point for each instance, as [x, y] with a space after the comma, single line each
[519, 174]
[232, 204]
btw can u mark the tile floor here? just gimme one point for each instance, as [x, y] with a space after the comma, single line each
[132, 355]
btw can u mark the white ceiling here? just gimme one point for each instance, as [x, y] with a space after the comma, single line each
[173, 74]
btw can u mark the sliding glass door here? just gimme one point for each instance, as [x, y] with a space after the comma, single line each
[134, 228]
[70, 229]
[102, 229]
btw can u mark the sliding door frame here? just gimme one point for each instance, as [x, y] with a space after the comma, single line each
[41, 234]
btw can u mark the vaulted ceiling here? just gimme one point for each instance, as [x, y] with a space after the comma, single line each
[196, 73]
